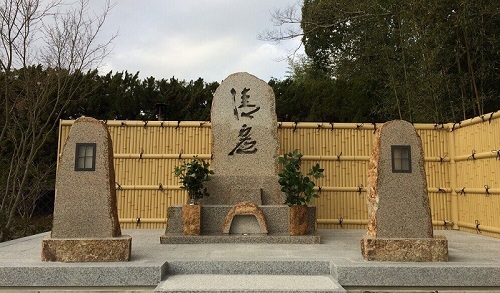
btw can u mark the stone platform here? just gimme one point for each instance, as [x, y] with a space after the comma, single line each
[473, 266]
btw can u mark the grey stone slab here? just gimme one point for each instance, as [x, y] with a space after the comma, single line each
[248, 283]
[235, 267]
[245, 140]
[250, 238]
[89, 276]
[474, 263]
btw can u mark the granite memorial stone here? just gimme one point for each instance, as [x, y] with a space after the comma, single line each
[85, 226]
[245, 143]
[399, 217]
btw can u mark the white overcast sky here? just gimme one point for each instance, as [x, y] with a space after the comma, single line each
[189, 39]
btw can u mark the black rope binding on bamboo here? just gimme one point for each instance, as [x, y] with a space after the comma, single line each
[478, 231]
[160, 187]
[123, 123]
[454, 124]
[491, 116]
[138, 221]
[445, 224]
[180, 155]
[497, 154]
[145, 123]
[319, 189]
[441, 190]
[141, 153]
[338, 156]
[320, 125]
[280, 124]
[178, 124]
[487, 189]
[358, 126]
[441, 159]
[331, 124]
[472, 156]
[211, 156]
[105, 121]
[295, 126]
[374, 127]
[118, 186]
[202, 123]
[341, 222]
[161, 124]
[360, 188]
[462, 191]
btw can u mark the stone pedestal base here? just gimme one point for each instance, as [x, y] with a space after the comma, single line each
[405, 249]
[87, 250]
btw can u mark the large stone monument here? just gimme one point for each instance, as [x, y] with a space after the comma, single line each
[245, 143]
[245, 197]
[399, 216]
[85, 226]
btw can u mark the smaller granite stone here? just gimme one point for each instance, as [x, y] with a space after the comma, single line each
[245, 208]
[191, 219]
[85, 226]
[399, 215]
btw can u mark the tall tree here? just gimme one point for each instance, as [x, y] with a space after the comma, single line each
[421, 60]
[46, 46]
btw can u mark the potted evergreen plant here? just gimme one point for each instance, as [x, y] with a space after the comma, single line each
[299, 190]
[192, 176]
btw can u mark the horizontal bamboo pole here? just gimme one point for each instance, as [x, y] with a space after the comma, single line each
[341, 188]
[476, 156]
[143, 220]
[148, 187]
[289, 125]
[316, 188]
[365, 222]
[162, 156]
[478, 190]
[442, 223]
[344, 221]
[479, 226]
[335, 158]
[475, 120]
[304, 157]
[139, 123]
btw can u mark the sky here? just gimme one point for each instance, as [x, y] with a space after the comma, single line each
[189, 39]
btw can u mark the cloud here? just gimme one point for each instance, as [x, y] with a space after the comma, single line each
[191, 39]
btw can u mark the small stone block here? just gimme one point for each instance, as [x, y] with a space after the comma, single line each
[87, 250]
[191, 219]
[405, 249]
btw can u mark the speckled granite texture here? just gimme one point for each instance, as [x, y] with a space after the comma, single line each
[399, 215]
[87, 250]
[409, 249]
[245, 140]
[85, 226]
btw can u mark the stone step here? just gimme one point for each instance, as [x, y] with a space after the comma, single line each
[249, 283]
[248, 267]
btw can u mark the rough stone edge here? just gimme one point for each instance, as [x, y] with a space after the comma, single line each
[87, 250]
[245, 208]
[428, 249]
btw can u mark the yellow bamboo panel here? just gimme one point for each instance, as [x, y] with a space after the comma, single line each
[146, 154]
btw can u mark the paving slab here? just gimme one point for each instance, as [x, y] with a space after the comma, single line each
[474, 263]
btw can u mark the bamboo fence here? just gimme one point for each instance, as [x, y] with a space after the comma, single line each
[462, 163]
